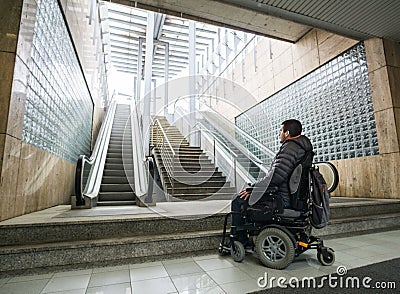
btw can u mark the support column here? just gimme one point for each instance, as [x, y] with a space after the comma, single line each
[154, 96]
[139, 70]
[384, 72]
[192, 77]
[166, 73]
[147, 78]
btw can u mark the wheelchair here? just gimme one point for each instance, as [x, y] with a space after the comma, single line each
[275, 234]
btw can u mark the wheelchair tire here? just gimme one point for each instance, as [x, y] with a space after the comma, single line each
[330, 173]
[326, 260]
[237, 251]
[274, 248]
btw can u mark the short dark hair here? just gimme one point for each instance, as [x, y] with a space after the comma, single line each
[293, 126]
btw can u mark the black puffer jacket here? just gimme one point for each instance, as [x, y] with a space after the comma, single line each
[290, 153]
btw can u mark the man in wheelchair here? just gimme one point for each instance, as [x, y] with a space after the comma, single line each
[272, 215]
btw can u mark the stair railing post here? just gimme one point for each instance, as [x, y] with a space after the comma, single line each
[215, 158]
[235, 176]
[173, 173]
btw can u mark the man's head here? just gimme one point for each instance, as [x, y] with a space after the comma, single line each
[289, 128]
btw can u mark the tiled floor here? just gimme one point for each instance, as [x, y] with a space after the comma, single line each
[204, 274]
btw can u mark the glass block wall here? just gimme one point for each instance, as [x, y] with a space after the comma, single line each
[333, 103]
[58, 112]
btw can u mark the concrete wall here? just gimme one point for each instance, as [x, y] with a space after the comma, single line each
[32, 179]
[378, 176]
[279, 64]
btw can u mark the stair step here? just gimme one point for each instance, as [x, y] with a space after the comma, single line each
[116, 196]
[87, 251]
[114, 166]
[116, 203]
[195, 185]
[114, 180]
[78, 243]
[117, 187]
[201, 190]
[116, 173]
[196, 196]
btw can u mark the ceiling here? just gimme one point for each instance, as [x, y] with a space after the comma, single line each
[122, 26]
[287, 20]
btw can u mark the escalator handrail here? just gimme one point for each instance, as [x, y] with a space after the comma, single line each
[217, 139]
[239, 130]
[94, 160]
[141, 175]
[240, 170]
[244, 151]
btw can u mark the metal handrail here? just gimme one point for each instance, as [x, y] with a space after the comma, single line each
[244, 151]
[167, 156]
[238, 168]
[143, 180]
[89, 188]
[239, 130]
[218, 140]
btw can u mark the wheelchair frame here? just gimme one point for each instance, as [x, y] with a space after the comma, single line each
[282, 239]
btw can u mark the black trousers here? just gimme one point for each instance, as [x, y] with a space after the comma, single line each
[238, 205]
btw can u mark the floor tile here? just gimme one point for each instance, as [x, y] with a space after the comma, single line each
[354, 263]
[213, 264]
[27, 287]
[178, 260]
[146, 264]
[203, 257]
[30, 278]
[73, 273]
[109, 278]
[124, 288]
[210, 290]
[67, 283]
[228, 275]
[111, 268]
[176, 269]
[4, 280]
[75, 291]
[145, 273]
[153, 286]
[193, 281]
[241, 287]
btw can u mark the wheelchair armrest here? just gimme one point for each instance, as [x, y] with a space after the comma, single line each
[270, 190]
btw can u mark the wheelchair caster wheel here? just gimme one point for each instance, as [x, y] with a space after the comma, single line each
[237, 251]
[326, 258]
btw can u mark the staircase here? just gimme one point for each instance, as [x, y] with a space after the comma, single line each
[67, 242]
[115, 188]
[195, 176]
[242, 159]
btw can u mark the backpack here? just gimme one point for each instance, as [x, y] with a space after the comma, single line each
[319, 199]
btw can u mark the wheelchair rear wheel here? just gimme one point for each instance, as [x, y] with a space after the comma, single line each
[237, 251]
[274, 248]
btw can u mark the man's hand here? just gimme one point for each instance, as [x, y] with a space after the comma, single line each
[244, 194]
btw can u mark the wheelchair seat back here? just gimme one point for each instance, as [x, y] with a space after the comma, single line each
[299, 184]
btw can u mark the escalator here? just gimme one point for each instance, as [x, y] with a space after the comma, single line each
[243, 157]
[115, 188]
[117, 172]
